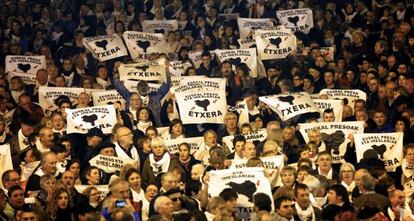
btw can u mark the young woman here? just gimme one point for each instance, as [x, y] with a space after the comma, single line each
[144, 119]
[59, 207]
[176, 129]
[74, 167]
[186, 160]
[91, 176]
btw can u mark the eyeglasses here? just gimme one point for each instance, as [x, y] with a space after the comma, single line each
[347, 171]
[175, 199]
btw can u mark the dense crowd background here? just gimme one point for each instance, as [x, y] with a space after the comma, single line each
[374, 46]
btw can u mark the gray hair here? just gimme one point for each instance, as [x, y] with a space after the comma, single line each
[157, 141]
[159, 202]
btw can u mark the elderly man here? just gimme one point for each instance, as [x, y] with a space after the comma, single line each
[45, 140]
[47, 167]
[10, 178]
[124, 147]
[164, 207]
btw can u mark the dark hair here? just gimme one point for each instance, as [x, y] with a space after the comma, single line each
[340, 191]
[73, 161]
[12, 189]
[6, 175]
[262, 201]
[58, 148]
[131, 171]
[279, 200]
[192, 186]
[174, 122]
[238, 138]
[87, 172]
[228, 194]
[300, 186]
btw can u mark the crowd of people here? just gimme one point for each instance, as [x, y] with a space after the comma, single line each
[374, 52]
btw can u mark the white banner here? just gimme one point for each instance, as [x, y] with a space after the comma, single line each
[25, 64]
[247, 43]
[178, 68]
[328, 53]
[238, 56]
[207, 106]
[105, 47]
[275, 44]
[82, 119]
[300, 19]
[103, 190]
[349, 94]
[272, 166]
[335, 136]
[335, 105]
[141, 45]
[145, 71]
[246, 182]
[196, 58]
[290, 105]
[176, 81]
[109, 164]
[159, 26]
[260, 135]
[48, 96]
[6, 162]
[195, 144]
[200, 84]
[107, 97]
[248, 25]
[242, 110]
[131, 85]
[27, 78]
[387, 146]
[8, 117]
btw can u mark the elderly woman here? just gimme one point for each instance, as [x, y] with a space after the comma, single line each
[346, 174]
[158, 162]
[48, 184]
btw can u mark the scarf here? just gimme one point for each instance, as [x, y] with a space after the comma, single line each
[328, 176]
[160, 166]
[69, 78]
[28, 169]
[145, 100]
[121, 153]
[23, 141]
[102, 82]
[349, 188]
[3, 136]
[305, 215]
[142, 126]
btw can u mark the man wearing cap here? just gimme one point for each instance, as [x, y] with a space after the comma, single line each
[93, 138]
[21, 141]
[268, 85]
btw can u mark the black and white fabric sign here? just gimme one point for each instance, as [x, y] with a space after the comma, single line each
[246, 182]
[347, 95]
[388, 147]
[141, 45]
[107, 97]
[259, 135]
[242, 110]
[247, 25]
[25, 64]
[335, 105]
[290, 105]
[109, 164]
[105, 47]
[195, 57]
[48, 97]
[159, 26]
[271, 165]
[328, 53]
[27, 78]
[82, 119]
[178, 68]
[300, 19]
[176, 81]
[247, 43]
[208, 106]
[238, 56]
[195, 143]
[335, 135]
[144, 71]
[201, 84]
[6, 162]
[275, 44]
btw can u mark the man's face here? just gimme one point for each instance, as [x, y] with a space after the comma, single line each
[166, 207]
[239, 147]
[328, 117]
[249, 150]
[67, 65]
[231, 205]
[14, 179]
[373, 85]
[325, 162]
[225, 70]
[329, 78]
[176, 201]
[286, 209]
[49, 165]
[273, 73]
[47, 138]
[332, 197]
[230, 121]
[109, 151]
[68, 179]
[121, 191]
[125, 136]
[307, 84]
[169, 182]
[28, 216]
[379, 118]
[27, 130]
[302, 198]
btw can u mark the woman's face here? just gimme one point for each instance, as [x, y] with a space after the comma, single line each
[177, 129]
[102, 73]
[245, 130]
[58, 122]
[184, 153]
[158, 150]
[347, 174]
[49, 185]
[301, 176]
[17, 198]
[151, 134]
[151, 191]
[288, 178]
[75, 169]
[144, 115]
[94, 177]
[399, 126]
[63, 200]
[135, 181]
[94, 196]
